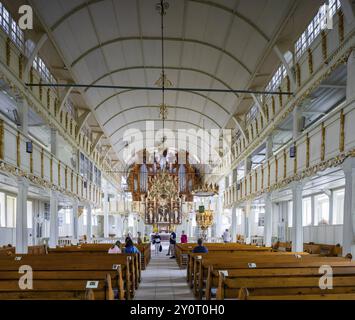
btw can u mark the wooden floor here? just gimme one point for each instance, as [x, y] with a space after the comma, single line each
[163, 280]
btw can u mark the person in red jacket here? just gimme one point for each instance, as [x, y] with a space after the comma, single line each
[183, 238]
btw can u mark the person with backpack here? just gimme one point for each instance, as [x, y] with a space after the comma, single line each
[157, 243]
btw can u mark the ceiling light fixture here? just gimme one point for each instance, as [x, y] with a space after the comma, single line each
[163, 82]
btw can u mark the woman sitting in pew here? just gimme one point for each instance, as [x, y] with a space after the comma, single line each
[200, 248]
[130, 248]
[115, 248]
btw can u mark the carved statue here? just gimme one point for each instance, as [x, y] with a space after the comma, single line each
[166, 216]
[150, 213]
[176, 215]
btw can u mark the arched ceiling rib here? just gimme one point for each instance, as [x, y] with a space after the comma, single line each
[97, 107]
[157, 120]
[172, 144]
[158, 68]
[157, 107]
[167, 39]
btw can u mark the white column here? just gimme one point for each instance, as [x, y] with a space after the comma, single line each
[75, 221]
[268, 220]
[23, 116]
[35, 212]
[349, 207]
[297, 226]
[106, 209]
[219, 216]
[117, 224]
[54, 141]
[234, 224]
[297, 115]
[269, 146]
[243, 225]
[53, 223]
[247, 165]
[350, 85]
[89, 223]
[330, 195]
[247, 223]
[21, 217]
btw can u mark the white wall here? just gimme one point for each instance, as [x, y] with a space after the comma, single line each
[7, 236]
[326, 234]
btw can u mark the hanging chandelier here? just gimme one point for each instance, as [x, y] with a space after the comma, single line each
[204, 220]
[163, 82]
[163, 112]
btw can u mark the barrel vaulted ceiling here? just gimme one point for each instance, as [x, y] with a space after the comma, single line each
[208, 44]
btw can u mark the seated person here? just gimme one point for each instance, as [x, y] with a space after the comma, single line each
[200, 248]
[115, 248]
[130, 248]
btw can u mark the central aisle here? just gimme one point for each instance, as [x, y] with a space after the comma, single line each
[163, 280]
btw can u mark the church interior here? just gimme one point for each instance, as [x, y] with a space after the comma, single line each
[177, 150]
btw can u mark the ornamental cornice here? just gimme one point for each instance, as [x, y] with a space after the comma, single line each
[309, 172]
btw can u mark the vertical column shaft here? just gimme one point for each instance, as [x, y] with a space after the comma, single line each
[53, 224]
[21, 217]
[75, 221]
[268, 220]
[89, 223]
[349, 207]
[297, 227]
[106, 209]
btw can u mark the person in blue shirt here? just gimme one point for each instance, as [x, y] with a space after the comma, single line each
[200, 248]
[129, 247]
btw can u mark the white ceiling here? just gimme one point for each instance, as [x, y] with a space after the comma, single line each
[208, 44]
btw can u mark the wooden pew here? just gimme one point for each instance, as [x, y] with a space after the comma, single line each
[83, 267]
[10, 251]
[145, 254]
[101, 249]
[313, 248]
[104, 247]
[226, 248]
[282, 246]
[51, 287]
[323, 249]
[221, 252]
[214, 268]
[202, 276]
[295, 281]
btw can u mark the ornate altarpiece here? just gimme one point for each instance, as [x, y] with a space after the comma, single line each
[160, 189]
